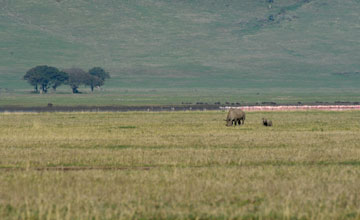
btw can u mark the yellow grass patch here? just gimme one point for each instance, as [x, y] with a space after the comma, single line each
[179, 165]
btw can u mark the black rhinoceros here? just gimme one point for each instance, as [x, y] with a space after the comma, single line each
[235, 116]
[267, 123]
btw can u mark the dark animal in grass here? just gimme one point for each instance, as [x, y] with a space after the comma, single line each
[235, 116]
[267, 123]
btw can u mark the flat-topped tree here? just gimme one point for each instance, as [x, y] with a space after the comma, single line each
[100, 75]
[45, 77]
[59, 79]
[77, 77]
[93, 82]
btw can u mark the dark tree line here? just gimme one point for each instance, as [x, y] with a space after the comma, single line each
[45, 77]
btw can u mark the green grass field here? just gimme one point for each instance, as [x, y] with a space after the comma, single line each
[149, 97]
[179, 165]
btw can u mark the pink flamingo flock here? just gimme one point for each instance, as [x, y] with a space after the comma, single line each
[296, 107]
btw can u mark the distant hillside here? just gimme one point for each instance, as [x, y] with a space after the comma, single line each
[186, 43]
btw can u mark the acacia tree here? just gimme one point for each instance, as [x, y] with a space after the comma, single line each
[77, 77]
[59, 79]
[93, 81]
[44, 77]
[99, 76]
[33, 78]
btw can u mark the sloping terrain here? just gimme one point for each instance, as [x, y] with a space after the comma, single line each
[308, 44]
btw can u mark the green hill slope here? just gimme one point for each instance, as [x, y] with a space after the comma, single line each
[188, 43]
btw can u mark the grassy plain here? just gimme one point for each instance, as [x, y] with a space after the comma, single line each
[136, 97]
[179, 165]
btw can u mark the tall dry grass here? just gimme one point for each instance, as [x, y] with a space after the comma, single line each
[179, 165]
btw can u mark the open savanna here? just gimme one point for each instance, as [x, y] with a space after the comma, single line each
[179, 165]
[176, 96]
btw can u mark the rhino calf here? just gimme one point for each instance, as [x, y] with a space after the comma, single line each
[235, 116]
[267, 123]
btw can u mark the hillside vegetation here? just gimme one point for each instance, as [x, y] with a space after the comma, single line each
[189, 43]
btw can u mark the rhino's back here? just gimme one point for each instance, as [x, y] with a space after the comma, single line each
[236, 113]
